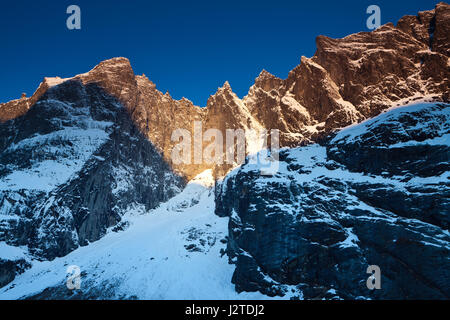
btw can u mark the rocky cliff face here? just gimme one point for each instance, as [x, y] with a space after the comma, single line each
[346, 81]
[356, 77]
[71, 167]
[375, 194]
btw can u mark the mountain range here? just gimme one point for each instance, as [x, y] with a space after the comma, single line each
[87, 179]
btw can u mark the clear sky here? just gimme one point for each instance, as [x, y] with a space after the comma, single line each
[189, 48]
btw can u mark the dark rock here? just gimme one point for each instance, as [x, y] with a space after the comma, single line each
[67, 123]
[316, 228]
[9, 269]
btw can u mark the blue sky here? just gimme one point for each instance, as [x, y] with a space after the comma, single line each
[188, 48]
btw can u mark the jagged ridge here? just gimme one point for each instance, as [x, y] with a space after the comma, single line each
[346, 81]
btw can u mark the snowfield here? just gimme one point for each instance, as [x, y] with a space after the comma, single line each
[172, 252]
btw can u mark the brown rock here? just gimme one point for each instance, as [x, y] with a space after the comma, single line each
[346, 81]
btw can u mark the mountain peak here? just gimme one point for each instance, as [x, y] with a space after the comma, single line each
[267, 81]
[226, 86]
[264, 74]
[114, 67]
[113, 64]
[116, 77]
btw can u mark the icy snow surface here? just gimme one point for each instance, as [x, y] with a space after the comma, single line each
[150, 259]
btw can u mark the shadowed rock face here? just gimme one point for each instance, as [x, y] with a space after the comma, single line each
[72, 166]
[376, 194]
[9, 268]
[346, 81]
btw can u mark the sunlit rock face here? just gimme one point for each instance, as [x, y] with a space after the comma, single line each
[346, 81]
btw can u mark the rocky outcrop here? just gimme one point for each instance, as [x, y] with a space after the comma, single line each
[157, 115]
[16, 108]
[331, 211]
[356, 77]
[429, 27]
[9, 269]
[383, 146]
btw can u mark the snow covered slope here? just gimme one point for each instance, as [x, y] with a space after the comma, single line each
[171, 252]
